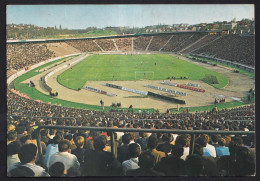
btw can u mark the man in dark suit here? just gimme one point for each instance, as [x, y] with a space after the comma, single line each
[146, 163]
[100, 162]
[123, 151]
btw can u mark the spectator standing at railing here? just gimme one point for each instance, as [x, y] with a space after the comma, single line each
[52, 149]
[27, 156]
[146, 164]
[173, 165]
[184, 142]
[208, 149]
[80, 150]
[100, 162]
[151, 146]
[221, 150]
[123, 150]
[12, 152]
[69, 160]
[210, 164]
[132, 163]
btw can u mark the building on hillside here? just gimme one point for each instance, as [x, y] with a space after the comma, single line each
[213, 26]
[230, 26]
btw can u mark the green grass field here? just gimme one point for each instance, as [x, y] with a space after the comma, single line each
[35, 94]
[123, 67]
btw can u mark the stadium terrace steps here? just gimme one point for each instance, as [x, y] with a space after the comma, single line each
[62, 48]
[182, 43]
[149, 44]
[166, 43]
[98, 45]
[106, 44]
[115, 44]
[208, 43]
[190, 45]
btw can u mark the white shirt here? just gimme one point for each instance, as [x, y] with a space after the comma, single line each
[38, 170]
[12, 159]
[119, 135]
[132, 163]
[210, 149]
[69, 160]
[186, 152]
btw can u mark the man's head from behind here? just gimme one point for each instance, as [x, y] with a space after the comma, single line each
[126, 138]
[79, 141]
[146, 160]
[64, 146]
[134, 150]
[57, 139]
[100, 143]
[27, 153]
[152, 142]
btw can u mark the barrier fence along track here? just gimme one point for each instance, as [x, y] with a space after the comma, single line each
[185, 86]
[112, 130]
[166, 90]
[100, 91]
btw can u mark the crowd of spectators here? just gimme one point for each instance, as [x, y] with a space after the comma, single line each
[225, 47]
[84, 45]
[141, 42]
[23, 55]
[158, 42]
[192, 39]
[106, 44]
[207, 39]
[208, 120]
[124, 44]
[84, 153]
[235, 48]
[176, 41]
[88, 153]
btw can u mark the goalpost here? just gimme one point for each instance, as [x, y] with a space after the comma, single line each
[144, 75]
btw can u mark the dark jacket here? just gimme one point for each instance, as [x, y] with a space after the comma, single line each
[123, 153]
[165, 147]
[100, 163]
[171, 166]
[79, 153]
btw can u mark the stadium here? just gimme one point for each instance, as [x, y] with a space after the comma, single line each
[163, 92]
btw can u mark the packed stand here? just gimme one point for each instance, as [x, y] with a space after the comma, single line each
[192, 39]
[208, 120]
[26, 54]
[158, 42]
[88, 153]
[106, 44]
[235, 48]
[203, 42]
[175, 42]
[84, 45]
[73, 153]
[141, 42]
[124, 44]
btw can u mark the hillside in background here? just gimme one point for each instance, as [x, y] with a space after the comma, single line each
[24, 32]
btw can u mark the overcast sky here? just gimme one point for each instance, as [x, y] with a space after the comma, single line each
[83, 16]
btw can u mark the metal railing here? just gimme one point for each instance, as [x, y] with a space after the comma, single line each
[112, 130]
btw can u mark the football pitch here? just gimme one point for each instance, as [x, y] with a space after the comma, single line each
[134, 67]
